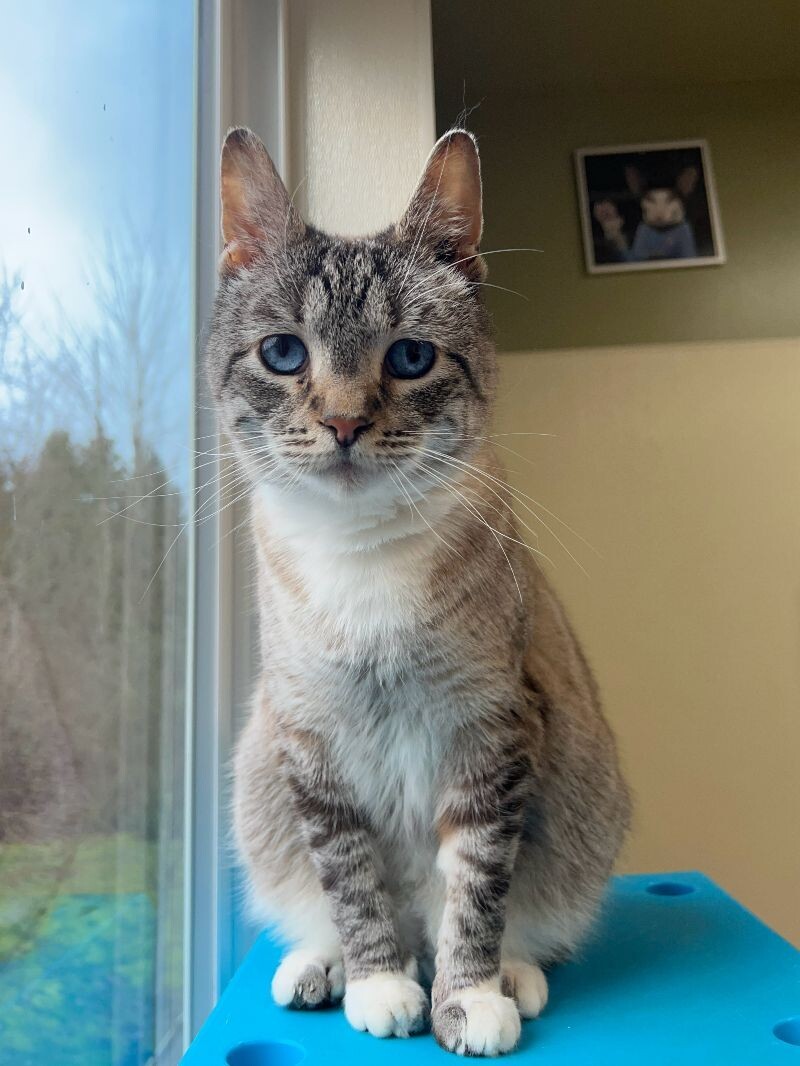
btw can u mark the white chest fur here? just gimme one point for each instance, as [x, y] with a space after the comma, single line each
[390, 755]
[385, 696]
[365, 565]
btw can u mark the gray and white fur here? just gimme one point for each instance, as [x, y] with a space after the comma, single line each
[426, 787]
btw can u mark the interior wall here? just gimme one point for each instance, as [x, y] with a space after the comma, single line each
[679, 464]
[674, 397]
[361, 108]
[529, 132]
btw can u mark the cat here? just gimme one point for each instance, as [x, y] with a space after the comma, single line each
[426, 789]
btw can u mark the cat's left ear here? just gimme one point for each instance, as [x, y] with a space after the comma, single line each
[445, 212]
[257, 211]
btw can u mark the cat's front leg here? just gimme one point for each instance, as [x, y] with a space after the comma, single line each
[479, 824]
[382, 995]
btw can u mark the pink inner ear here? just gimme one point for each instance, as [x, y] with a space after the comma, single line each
[445, 210]
[237, 212]
[256, 209]
[464, 189]
[453, 187]
[245, 240]
[234, 255]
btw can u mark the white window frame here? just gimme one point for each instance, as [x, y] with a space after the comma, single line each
[239, 76]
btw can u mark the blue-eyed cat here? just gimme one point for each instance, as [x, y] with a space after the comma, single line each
[426, 790]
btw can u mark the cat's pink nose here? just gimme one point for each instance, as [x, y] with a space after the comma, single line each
[346, 429]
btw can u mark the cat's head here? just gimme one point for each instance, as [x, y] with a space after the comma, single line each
[339, 363]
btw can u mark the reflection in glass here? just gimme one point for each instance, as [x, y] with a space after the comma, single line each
[95, 385]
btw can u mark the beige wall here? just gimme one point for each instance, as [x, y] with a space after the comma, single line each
[361, 115]
[680, 464]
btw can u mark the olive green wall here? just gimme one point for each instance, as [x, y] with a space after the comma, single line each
[527, 134]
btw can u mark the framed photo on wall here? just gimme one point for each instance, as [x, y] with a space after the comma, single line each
[648, 207]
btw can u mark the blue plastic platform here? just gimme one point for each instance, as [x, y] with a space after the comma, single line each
[678, 974]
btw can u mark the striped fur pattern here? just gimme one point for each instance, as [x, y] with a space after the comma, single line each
[427, 793]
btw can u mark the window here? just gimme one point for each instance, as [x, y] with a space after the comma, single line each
[96, 476]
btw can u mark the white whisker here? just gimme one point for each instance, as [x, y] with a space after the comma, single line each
[494, 533]
[164, 559]
[502, 288]
[421, 515]
[445, 481]
[476, 472]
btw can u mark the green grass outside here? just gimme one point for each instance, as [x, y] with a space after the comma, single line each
[34, 876]
[86, 948]
[95, 864]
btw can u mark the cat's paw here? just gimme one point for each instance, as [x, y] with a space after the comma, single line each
[386, 1004]
[477, 1021]
[304, 981]
[526, 985]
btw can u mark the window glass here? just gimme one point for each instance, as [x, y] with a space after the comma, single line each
[96, 192]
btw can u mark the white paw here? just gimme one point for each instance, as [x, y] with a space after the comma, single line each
[527, 986]
[386, 1004]
[477, 1021]
[305, 980]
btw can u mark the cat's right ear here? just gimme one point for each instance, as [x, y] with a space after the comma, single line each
[445, 211]
[257, 212]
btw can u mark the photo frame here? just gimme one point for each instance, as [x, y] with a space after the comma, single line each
[648, 207]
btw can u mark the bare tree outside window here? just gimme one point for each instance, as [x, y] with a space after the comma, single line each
[95, 461]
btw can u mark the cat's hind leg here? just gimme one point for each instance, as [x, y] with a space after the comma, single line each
[540, 929]
[526, 984]
[312, 973]
[305, 980]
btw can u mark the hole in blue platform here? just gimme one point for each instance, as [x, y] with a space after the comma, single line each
[788, 1031]
[670, 888]
[268, 1053]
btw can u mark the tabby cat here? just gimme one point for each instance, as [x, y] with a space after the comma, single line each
[427, 793]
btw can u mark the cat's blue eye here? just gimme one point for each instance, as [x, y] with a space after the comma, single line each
[283, 353]
[410, 359]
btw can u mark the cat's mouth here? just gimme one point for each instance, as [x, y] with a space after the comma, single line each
[347, 471]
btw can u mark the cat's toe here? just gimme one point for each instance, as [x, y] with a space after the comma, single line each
[526, 984]
[304, 981]
[386, 1004]
[336, 982]
[477, 1021]
[311, 988]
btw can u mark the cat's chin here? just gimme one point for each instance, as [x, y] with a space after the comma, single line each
[338, 483]
[346, 483]
[342, 477]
